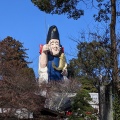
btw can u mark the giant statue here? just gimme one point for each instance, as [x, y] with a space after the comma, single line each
[52, 61]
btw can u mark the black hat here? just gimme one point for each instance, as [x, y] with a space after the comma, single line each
[52, 34]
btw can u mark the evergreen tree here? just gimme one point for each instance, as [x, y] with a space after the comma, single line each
[17, 81]
[81, 108]
[93, 59]
[69, 7]
[12, 52]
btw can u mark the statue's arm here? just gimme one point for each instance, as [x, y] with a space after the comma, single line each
[42, 65]
[43, 58]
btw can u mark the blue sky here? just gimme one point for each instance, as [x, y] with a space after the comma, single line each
[23, 21]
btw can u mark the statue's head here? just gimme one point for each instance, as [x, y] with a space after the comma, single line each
[53, 40]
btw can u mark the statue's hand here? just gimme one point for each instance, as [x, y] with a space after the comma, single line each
[45, 48]
[64, 72]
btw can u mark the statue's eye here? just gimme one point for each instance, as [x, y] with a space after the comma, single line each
[56, 43]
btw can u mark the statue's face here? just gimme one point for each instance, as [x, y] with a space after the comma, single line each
[54, 46]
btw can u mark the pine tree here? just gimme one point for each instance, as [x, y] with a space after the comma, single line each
[13, 52]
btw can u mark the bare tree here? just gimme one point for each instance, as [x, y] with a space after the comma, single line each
[59, 93]
[17, 92]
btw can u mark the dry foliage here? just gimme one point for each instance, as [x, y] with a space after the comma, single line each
[18, 91]
[59, 93]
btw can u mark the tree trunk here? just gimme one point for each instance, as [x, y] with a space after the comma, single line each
[102, 101]
[108, 103]
[115, 80]
[114, 45]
